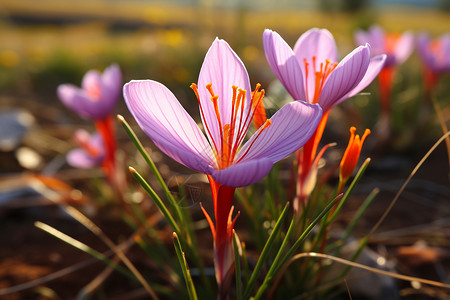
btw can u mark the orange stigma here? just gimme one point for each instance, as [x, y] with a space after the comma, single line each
[391, 41]
[321, 73]
[351, 154]
[232, 132]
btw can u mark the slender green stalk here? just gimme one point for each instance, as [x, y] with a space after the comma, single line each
[237, 263]
[308, 230]
[349, 191]
[265, 252]
[152, 166]
[245, 262]
[359, 213]
[280, 262]
[156, 198]
[270, 273]
[184, 267]
[355, 256]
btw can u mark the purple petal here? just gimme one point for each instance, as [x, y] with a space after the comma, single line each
[79, 158]
[283, 63]
[243, 173]
[317, 43]
[423, 40]
[169, 126]
[347, 75]
[291, 127]
[404, 47]
[91, 80]
[111, 86]
[77, 100]
[223, 69]
[375, 37]
[375, 66]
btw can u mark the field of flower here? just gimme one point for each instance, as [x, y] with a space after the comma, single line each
[288, 203]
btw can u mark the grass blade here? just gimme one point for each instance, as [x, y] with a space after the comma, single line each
[184, 267]
[237, 263]
[152, 166]
[156, 198]
[265, 252]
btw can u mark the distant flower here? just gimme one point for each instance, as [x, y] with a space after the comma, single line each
[97, 96]
[435, 55]
[311, 71]
[96, 100]
[227, 108]
[397, 47]
[351, 154]
[91, 152]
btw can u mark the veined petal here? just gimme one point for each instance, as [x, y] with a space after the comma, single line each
[404, 47]
[244, 173]
[375, 66]
[164, 120]
[347, 75]
[316, 42]
[77, 100]
[291, 127]
[80, 158]
[284, 64]
[223, 69]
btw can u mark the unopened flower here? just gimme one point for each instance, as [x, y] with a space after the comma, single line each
[351, 154]
[97, 96]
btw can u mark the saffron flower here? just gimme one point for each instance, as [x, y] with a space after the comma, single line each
[311, 72]
[351, 154]
[227, 107]
[91, 152]
[96, 100]
[435, 57]
[397, 47]
[97, 96]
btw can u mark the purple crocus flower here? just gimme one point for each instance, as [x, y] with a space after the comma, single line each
[91, 152]
[311, 72]
[97, 96]
[397, 47]
[435, 54]
[227, 106]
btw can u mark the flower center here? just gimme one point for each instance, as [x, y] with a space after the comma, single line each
[320, 72]
[83, 141]
[435, 47]
[390, 42]
[231, 132]
[93, 90]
